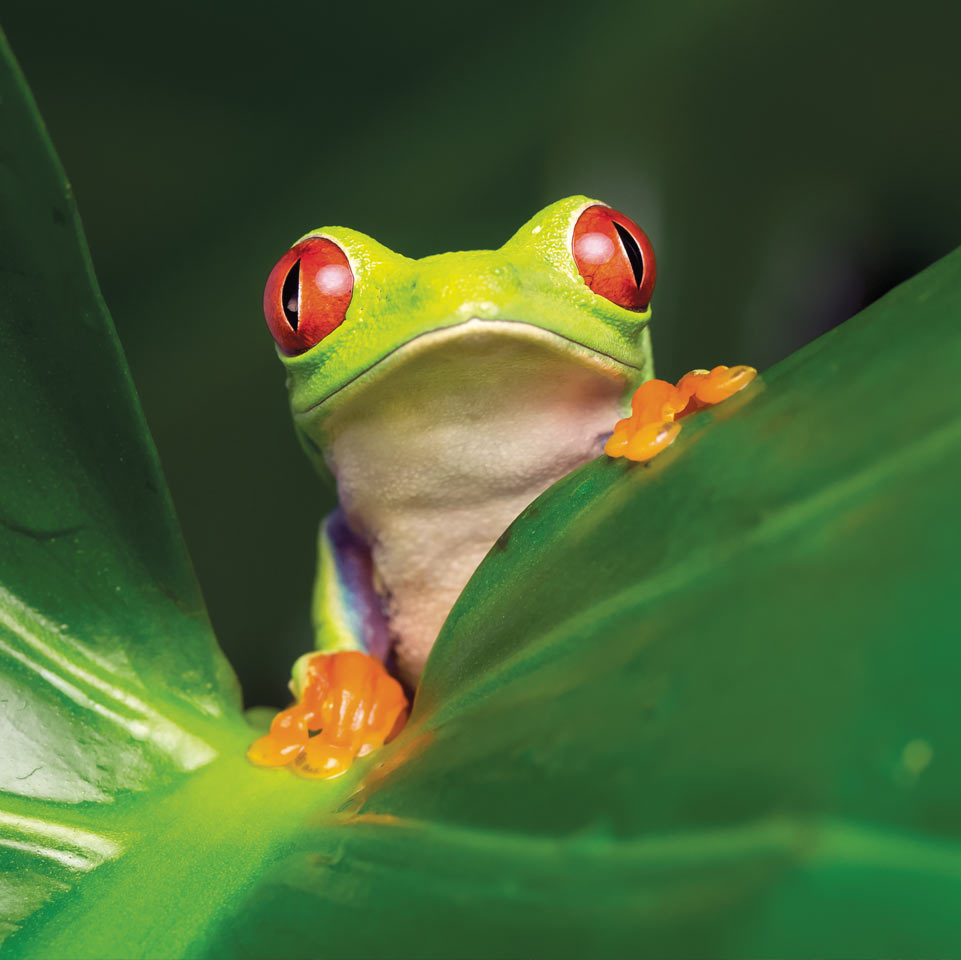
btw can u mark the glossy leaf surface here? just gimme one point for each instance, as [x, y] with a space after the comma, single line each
[701, 707]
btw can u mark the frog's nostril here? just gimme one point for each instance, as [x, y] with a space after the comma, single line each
[290, 297]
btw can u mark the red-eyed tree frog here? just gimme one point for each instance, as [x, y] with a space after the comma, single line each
[443, 395]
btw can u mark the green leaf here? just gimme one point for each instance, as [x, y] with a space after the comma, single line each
[111, 680]
[700, 707]
[96, 586]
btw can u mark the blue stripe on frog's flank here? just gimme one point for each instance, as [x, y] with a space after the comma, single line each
[347, 609]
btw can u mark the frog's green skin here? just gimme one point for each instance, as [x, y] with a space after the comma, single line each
[457, 389]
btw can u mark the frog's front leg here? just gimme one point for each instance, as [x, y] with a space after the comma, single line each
[657, 406]
[347, 702]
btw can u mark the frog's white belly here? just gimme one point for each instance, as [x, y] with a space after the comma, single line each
[436, 453]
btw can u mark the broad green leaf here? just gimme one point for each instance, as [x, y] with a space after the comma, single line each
[110, 679]
[702, 707]
[101, 622]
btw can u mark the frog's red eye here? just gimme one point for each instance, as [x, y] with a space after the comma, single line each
[307, 294]
[614, 257]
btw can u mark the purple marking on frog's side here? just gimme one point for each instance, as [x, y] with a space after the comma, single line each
[355, 573]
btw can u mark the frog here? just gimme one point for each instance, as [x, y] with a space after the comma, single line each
[442, 396]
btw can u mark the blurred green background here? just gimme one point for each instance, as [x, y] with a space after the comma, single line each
[791, 162]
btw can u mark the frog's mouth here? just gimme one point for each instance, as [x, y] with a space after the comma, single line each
[605, 364]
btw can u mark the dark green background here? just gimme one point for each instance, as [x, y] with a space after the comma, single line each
[790, 161]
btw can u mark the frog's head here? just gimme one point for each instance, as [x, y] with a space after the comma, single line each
[344, 310]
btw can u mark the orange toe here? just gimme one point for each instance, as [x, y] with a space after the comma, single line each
[651, 439]
[653, 402]
[322, 760]
[268, 751]
[723, 382]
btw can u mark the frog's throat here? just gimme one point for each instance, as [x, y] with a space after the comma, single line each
[521, 329]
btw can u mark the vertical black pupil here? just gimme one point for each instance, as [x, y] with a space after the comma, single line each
[633, 252]
[290, 295]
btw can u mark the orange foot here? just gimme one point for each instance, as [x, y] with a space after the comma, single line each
[349, 706]
[657, 405]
